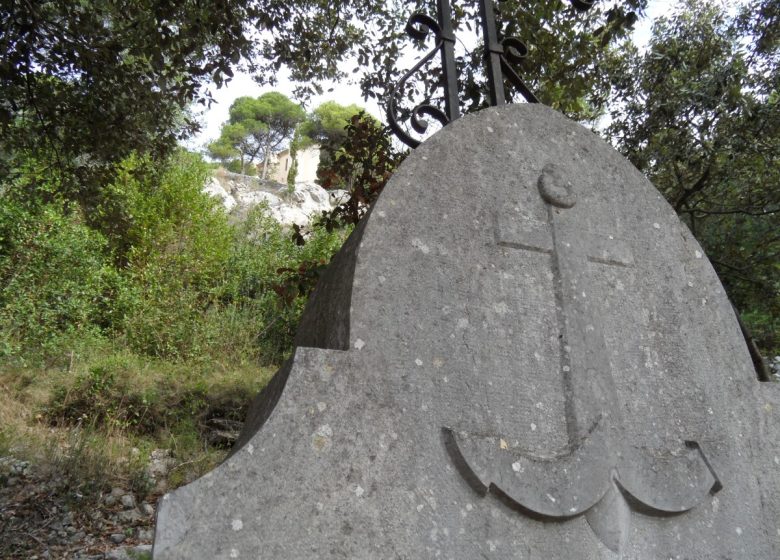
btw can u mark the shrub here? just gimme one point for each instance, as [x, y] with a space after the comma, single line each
[156, 266]
[179, 240]
[765, 330]
[264, 277]
[55, 277]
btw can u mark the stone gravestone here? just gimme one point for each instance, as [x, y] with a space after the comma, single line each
[521, 353]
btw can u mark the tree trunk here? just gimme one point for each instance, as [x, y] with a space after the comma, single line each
[265, 160]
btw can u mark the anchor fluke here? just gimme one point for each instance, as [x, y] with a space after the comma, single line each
[669, 484]
[560, 486]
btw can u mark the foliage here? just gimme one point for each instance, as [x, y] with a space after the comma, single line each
[84, 83]
[565, 65]
[160, 270]
[259, 275]
[56, 281]
[327, 126]
[699, 114]
[362, 164]
[202, 286]
[147, 204]
[234, 144]
[569, 53]
[311, 37]
[257, 127]
[327, 123]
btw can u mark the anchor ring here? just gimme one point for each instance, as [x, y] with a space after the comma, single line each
[555, 189]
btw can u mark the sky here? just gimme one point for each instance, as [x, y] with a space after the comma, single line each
[345, 93]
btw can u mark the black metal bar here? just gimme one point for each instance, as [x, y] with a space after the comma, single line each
[515, 51]
[493, 53]
[498, 56]
[450, 74]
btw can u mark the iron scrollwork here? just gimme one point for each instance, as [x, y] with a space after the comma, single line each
[499, 57]
[418, 27]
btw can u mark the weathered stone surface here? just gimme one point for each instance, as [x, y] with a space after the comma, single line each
[521, 353]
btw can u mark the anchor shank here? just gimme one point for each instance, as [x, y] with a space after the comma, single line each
[589, 388]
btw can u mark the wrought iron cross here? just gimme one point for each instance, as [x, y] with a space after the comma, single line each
[498, 55]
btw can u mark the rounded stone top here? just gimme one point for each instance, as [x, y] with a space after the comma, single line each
[521, 324]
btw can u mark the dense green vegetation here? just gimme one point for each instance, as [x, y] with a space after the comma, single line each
[133, 312]
[149, 317]
[158, 267]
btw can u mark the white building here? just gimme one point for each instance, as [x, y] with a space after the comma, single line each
[308, 161]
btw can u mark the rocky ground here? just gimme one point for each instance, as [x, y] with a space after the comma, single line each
[41, 517]
[774, 367]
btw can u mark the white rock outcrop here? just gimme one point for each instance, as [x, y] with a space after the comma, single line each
[239, 193]
[214, 189]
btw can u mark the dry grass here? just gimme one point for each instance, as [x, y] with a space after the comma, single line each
[96, 419]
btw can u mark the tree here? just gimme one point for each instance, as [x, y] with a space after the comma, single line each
[229, 146]
[569, 54]
[257, 127]
[326, 125]
[362, 165]
[568, 49]
[84, 83]
[699, 114]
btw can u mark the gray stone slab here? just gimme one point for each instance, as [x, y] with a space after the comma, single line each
[521, 353]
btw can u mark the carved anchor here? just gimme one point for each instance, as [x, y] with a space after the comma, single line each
[598, 473]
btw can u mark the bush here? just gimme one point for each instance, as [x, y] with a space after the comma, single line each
[765, 330]
[156, 265]
[195, 285]
[56, 280]
[270, 276]
[177, 240]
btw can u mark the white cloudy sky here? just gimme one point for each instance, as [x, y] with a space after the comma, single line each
[242, 84]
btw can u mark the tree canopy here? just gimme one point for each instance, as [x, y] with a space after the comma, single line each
[257, 127]
[84, 83]
[327, 123]
[698, 113]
